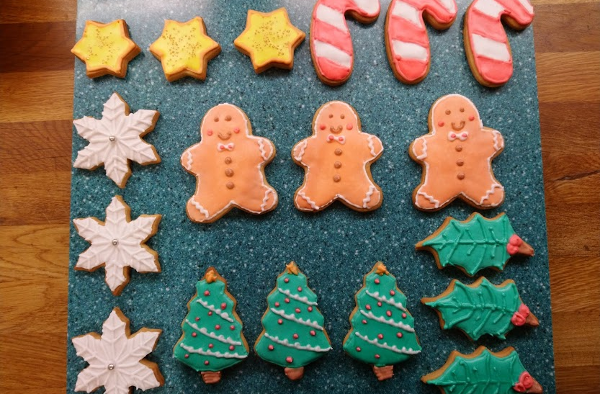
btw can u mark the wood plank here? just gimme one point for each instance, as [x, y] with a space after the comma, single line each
[36, 96]
[564, 17]
[19, 11]
[568, 77]
[36, 46]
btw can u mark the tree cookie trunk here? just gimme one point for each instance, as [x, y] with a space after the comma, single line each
[294, 373]
[384, 373]
[211, 377]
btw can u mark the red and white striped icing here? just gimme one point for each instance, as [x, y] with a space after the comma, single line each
[487, 38]
[330, 40]
[406, 35]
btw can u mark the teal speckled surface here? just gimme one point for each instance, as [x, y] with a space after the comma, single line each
[334, 248]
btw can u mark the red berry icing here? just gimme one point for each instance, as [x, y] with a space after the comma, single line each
[289, 359]
[217, 327]
[295, 336]
[207, 293]
[525, 383]
[376, 281]
[223, 305]
[310, 308]
[206, 362]
[194, 334]
[313, 333]
[513, 244]
[271, 347]
[197, 319]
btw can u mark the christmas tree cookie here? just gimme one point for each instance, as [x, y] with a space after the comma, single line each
[382, 332]
[293, 334]
[475, 243]
[212, 337]
[117, 359]
[481, 308]
[483, 372]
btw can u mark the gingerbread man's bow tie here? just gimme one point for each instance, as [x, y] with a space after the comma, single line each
[222, 147]
[341, 139]
[461, 136]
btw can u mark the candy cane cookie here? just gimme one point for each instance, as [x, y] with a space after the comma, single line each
[330, 40]
[406, 37]
[486, 45]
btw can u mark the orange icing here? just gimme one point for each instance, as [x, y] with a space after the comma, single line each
[337, 160]
[228, 164]
[456, 157]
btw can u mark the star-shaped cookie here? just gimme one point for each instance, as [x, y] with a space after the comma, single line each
[184, 49]
[118, 244]
[269, 40]
[106, 48]
[116, 358]
[115, 139]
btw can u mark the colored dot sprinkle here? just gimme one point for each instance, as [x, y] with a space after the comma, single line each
[389, 313]
[223, 305]
[187, 356]
[207, 293]
[277, 304]
[231, 347]
[218, 327]
[286, 280]
[358, 349]
[295, 336]
[289, 359]
[206, 362]
[313, 333]
[210, 345]
[299, 288]
[399, 335]
[379, 303]
[380, 336]
[310, 308]
[280, 321]
[271, 347]
[392, 292]
[376, 281]
[368, 307]
[209, 313]
[232, 327]
[194, 334]
[287, 300]
[297, 310]
[364, 322]
[377, 356]
[404, 315]
[197, 318]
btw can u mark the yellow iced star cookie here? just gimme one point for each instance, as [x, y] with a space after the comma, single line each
[269, 40]
[184, 49]
[106, 48]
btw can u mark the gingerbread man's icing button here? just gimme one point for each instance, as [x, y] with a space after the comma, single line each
[331, 134]
[453, 119]
[226, 137]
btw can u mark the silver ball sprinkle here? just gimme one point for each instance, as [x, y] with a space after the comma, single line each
[111, 367]
[115, 242]
[112, 138]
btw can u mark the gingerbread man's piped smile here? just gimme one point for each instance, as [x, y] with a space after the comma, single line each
[456, 157]
[337, 160]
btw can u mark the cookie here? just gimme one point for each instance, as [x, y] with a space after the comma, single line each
[184, 49]
[481, 370]
[330, 40]
[475, 244]
[456, 157]
[106, 48]
[337, 161]
[293, 335]
[382, 330]
[481, 308]
[116, 358]
[118, 244]
[406, 39]
[270, 40]
[116, 139]
[212, 338]
[228, 164]
[486, 44]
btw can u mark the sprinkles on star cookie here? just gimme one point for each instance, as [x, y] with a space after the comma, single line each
[456, 157]
[228, 164]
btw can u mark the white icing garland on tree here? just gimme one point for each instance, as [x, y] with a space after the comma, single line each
[211, 353]
[384, 345]
[212, 308]
[386, 300]
[307, 322]
[220, 338]
[296, 345]
[296, 297]
[383, 320]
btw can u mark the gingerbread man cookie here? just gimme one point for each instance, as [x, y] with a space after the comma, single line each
[229, 167]
[456, 157]
[337, 159]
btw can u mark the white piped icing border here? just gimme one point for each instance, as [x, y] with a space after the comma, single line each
[219, 312]
[388, 301]
[211, 353]
[296, 345]
[384, 345]
[296, 297]
[309, 323]
[204, 331]
[383, 320]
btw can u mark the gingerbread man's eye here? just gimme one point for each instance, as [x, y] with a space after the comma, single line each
[216, 119]
[227, 118]
[462, 110]
[447, 112]
[330, 116]
[342, 116]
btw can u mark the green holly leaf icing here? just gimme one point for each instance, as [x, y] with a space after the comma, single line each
[478, 309]
[471, 245]
[212, 332]
[481, 372]
[293, 334]
[382, 330]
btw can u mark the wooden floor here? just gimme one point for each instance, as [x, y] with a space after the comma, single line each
[36, 99]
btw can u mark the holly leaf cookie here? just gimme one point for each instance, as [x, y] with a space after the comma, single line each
[116, 358]
[212, 338]
[115, 139]
[483, 372]
[382, 330]
[118, 244]
[456, 157]
[269, 39]
[184, 49]
[106, 48]
[293, 335]
[475, 244]
[481, 308]
[337, 161]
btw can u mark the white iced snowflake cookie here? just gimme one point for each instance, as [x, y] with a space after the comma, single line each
[118, 244]
[116, 358]
[115, 139]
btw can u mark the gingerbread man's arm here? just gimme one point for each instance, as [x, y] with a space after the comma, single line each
[187, 158]
[495, 141]
[418, 149]
[299, 150]
[374, 144]
[266, 147]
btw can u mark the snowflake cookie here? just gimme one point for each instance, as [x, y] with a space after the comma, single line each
[115, 139]
[118, 244]
[116, 358]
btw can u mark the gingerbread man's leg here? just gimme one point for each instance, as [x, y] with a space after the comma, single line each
[312, 196]
[258, 199]
[206, 207]
[487, 194]
[428, 196]
[364, 195]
